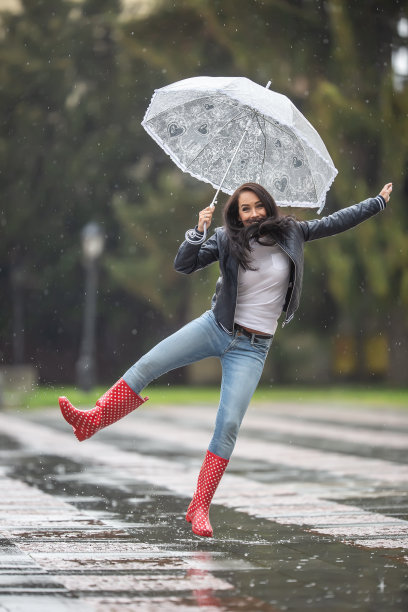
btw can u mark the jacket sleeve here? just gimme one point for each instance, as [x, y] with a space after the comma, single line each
[191, 257]
[343, 219]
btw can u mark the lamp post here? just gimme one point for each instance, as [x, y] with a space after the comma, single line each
[18, 279]
[92, 247]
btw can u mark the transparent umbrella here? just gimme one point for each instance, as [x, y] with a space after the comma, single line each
[229, 131]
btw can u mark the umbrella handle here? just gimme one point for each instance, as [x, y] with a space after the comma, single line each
[193, 238]
[191, 235]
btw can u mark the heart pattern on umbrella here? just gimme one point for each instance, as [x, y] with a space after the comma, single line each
[175, 130]
[281, 184]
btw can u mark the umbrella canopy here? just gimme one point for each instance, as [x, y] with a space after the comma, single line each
[229, 131]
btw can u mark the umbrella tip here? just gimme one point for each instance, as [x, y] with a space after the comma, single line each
[267, 86]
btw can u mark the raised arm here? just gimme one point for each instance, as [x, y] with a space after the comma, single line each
[190, 256]
[346, 218]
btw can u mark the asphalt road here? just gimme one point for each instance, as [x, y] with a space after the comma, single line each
[312, 513]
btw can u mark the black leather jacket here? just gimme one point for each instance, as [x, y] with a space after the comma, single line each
[191, 257]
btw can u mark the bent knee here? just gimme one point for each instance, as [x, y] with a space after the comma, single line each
[141, 373]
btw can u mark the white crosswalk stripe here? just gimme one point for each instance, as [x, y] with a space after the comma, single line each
[283, 454]
[337, 430]
[308, 502]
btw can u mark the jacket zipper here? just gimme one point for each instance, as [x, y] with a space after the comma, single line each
[293, 285]
[231, 333]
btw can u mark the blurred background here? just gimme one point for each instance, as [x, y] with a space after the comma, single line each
[92, 211]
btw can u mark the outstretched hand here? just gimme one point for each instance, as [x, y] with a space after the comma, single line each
[386, 192]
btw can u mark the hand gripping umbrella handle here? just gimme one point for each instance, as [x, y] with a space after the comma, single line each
[192, 236]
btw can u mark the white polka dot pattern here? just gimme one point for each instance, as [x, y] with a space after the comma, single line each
[116, 403]
[210, 475]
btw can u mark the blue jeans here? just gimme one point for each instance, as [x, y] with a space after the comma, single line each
[242, 359]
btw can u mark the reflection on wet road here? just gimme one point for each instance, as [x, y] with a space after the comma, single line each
[312, 513]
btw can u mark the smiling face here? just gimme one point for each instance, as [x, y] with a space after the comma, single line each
[250, 208]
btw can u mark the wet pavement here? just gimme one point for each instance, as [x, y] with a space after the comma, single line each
[312, 513]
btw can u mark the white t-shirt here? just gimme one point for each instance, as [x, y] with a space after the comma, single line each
[262, 292]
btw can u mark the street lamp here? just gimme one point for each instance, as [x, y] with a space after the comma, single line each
[92, 247]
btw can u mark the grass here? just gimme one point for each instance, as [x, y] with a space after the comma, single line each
[379, 397]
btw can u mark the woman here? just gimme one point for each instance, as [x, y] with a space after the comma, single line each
[260, 254]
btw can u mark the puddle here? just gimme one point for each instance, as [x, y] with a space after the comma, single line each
[124, 541]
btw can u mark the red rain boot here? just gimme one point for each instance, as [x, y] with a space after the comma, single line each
[209, 477]
[116, 403]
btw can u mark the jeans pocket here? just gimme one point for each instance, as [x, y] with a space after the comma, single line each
[263, 345]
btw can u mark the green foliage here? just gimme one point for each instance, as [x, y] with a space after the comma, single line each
[151, 231]
[377, 397]
[76, 79]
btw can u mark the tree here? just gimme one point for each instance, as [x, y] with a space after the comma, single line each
[364, 115]
[334, 60]
[76, 80]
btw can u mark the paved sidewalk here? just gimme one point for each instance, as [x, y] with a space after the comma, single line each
[312, 513]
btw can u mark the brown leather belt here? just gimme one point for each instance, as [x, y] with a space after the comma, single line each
[251, 334]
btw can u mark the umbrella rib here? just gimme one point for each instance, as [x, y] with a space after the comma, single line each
[264, 151]
[299, 140]
[280, 126]
[238, 115]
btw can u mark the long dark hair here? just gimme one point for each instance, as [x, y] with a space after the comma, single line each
[274, 226]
